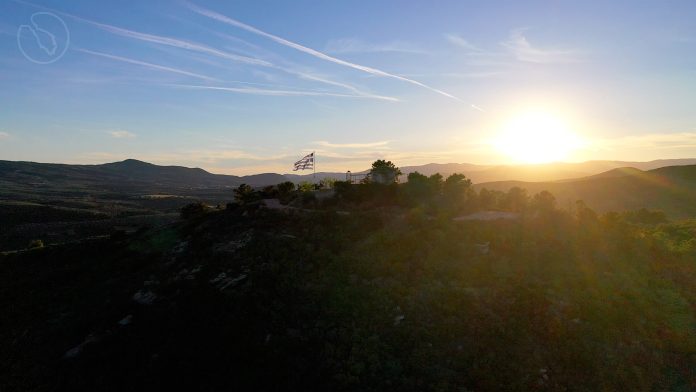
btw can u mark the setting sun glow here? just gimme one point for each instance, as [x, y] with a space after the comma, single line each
[536, 137]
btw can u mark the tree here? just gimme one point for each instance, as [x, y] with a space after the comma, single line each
[305, 186]
[384, 172]
[516, 199]
[488, 199]
[268, 192]
[584, 214]
[193, 209]
[416, 188]
[244, 194]
[456, 185]
[327, 183]
[645, 216]
[285, 188]
[416, 178]
[435, 183]
[544, 202]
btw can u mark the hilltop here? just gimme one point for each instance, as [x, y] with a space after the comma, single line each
[127, 174]
[670, 189]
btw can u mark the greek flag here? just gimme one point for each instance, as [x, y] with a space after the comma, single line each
[305, 163]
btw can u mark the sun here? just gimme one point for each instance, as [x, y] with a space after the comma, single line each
[536, 137]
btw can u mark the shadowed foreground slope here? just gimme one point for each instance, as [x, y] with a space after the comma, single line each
[261, 300]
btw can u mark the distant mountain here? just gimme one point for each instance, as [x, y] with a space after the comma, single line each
[537, 172]
[125, 175]
[523, 172]
[132, 173]
[319, 176]
[670, 189]
[263, 179]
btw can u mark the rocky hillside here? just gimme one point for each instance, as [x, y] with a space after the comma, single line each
[365, 300]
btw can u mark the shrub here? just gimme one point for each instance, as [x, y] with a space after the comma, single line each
[194, 209]
[305, 186]
[245, 194]
[284, 188]
[35, 244]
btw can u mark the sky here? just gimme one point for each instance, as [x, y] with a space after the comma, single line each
[242, 87]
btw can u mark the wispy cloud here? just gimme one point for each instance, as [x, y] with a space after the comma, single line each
[120, 134]
[201, 48]
[518, 45]
[324, 143]
[157, 39]
[353, 45]
[4, 135]
[177, 43]
[283, 93]
[145, 64]
[461, 42]
[310, 51]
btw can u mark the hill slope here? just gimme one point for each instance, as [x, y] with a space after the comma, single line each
[670, 189]
[523, 172]
[257, 300]
[126, 174]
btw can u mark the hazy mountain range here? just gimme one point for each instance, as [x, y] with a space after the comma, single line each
[671, 189]
[536, 172]
[134, 173]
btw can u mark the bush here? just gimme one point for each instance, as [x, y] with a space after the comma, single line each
[327, 183]
[284, 188]
[194, 209]
[35, 244]
[245, 194]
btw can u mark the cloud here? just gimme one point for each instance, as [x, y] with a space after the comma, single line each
[122, 134]
[352, 45]
[461, 42]
[147, 65]
[284, 93]
[324, 143]
[519, 46]
[311, 52]
[4, 135]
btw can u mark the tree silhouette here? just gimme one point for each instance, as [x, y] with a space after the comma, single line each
[455, 188]
[244, 194]
[384, 172]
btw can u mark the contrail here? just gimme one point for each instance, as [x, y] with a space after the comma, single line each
[158, 39]
[145, 64]
[259, 91]
[310, 51]
[196, 47]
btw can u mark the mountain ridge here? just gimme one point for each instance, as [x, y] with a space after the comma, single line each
[671, 189]
[134, 172]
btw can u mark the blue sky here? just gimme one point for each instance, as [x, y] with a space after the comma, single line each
[250, 86]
